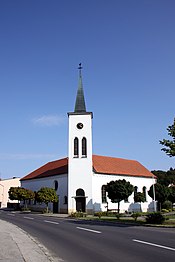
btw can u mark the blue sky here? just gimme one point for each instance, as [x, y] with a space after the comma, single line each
[127, 48]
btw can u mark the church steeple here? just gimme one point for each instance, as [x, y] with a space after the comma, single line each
[80, 154]
[80, 106]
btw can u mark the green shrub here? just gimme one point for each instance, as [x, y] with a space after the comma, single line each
[164, 210]
[155, 218]
[98, 214]
[73, 214]
[167, 205]
[111, 214]
[45, 210]
[78, 214]
[104, 213]
[136, 215]
[118, 215]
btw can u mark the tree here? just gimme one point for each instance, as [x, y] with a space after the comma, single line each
[165, 178]
[14, 193]
[46, 195]
[119, 190]
[161, 177]
[139, 197]
[21, 194]
[170, 176]
[161, 193]
[27, 194]
[169, 148]
[172, 194]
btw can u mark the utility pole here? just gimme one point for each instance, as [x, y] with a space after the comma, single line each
[154, 195]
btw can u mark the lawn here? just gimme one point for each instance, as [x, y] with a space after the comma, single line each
[139, 219]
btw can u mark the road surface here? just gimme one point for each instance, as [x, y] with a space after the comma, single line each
[89, 241]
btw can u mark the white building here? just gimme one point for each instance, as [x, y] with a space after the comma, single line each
[80, 179]
[4, 188]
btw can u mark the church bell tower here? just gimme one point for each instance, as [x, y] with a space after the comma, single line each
[80, 155]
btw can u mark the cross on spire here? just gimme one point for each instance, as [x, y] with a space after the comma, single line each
[80, 66]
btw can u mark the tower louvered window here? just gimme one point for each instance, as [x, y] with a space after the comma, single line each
[76, 151]
[84, 147]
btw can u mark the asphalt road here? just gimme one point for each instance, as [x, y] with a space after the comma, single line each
[75, 241]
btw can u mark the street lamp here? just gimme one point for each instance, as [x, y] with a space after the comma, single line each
[154, 196]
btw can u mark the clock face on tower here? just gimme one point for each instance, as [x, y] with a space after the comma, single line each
[79, 125]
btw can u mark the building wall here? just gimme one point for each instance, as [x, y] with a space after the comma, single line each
[80, 168]
[36, 184]
[100, 179]
[4, 188]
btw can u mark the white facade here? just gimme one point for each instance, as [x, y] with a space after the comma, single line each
[37, 184]
[101, 179]
[80, 163]
[4, 188]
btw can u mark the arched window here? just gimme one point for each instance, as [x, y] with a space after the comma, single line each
[56, 185]
[65, 200]
[144, 192]
[80, 192]
[84, 147]
[135, 191]
[76, 152]
[103, 194]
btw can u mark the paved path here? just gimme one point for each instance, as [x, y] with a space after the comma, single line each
[18, 246]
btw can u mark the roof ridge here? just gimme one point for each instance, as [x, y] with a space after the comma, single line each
[49, 166]
[116, 158]
[57, 160]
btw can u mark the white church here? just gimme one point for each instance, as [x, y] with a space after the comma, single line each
[80, 178]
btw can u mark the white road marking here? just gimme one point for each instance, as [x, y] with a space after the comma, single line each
[51, 222]
[152, 244]
[11, 215]
[90, 230]
[29, 218]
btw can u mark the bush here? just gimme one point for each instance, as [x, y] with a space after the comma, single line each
[136, 215]
[72, 214]
[111, 214]
[167, 205]
[104, 213]
[155, 218]
[118, 215]
[164, 210]
[98, 214]
[45, 211]
[78, 214]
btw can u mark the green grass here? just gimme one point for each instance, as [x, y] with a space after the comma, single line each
[140, 220]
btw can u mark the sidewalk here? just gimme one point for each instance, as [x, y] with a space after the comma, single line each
[18, 246]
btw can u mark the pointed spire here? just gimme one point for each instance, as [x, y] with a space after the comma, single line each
[80, 106]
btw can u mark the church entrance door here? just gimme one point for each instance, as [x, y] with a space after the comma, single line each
[80, 200]
[55, 207]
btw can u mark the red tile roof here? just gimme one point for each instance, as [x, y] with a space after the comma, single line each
[101, 165]
[56, 167]
[119, 166]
